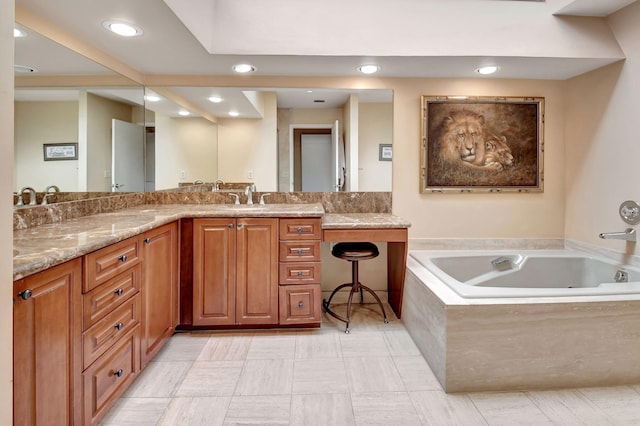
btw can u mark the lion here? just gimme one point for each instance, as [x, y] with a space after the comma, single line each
[496, 153]
[462, 140]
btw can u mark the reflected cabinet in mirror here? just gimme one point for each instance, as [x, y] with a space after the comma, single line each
[132, 139]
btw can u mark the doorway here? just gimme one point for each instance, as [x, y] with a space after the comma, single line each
[312, 160]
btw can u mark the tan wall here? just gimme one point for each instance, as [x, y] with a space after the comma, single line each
[375, 128]
[185, 144]
[38, 123]
[601, 129]
[477, 215]
[250, 145]
[6, 227]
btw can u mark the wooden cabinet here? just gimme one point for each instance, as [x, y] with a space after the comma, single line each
[235, 271]
[47, 321]
[159, 292]
[111, 325]
[300, 295]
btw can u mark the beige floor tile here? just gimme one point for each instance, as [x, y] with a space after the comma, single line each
[211, 378]
[322, 410]
[415, 373]
[272, 346]
[226, 347]
[436, 408]
[373, 375]
[136, 411]
[569, 407]
[197, 411]
[183, 347]
[266, 377]
[621, 403]
[319, 376]
[363, 344]
[384, 408]
[509, 409]
[399, 343]
[259, 410]
[158, 380]
[318, 345]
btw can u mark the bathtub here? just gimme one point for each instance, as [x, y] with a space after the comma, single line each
[541, 319]
[543, 273]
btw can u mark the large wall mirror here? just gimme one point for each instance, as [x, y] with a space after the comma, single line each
[275, 137]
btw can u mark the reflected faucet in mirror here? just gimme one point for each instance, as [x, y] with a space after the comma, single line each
[216, 185]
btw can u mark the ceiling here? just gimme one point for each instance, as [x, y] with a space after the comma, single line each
[552, 39]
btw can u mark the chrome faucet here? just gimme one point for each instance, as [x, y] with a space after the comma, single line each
[32, 194]
[249, 192]
[216, 185]
[52, 188]
[45, 198]
[502, 263]
[628, 234]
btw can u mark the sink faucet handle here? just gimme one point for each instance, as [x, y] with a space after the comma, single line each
[237, 198]
[262, 197]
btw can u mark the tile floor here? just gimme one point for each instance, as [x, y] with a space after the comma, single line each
[373, 376]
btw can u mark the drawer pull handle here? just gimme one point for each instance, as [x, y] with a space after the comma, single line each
[147, 240]
[118, 373]
[123, 258]
[25, 294]
[118, 292]
[119, 326]
[300, 305]
[300, 251]
[299, 229]
[299, 273]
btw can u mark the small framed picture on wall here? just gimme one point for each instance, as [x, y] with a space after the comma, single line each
[386, 152]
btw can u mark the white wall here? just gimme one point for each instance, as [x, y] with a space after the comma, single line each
[38, 123]
[6, 208]
[601, 129]
[375, 128]
[250, 145]
[185, 144]
[477, 215]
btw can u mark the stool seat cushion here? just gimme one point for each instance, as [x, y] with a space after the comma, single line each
[354, 252]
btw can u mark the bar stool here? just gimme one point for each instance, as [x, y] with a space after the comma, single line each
[353, 252]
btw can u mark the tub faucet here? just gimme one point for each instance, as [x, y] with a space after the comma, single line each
[628, 234]
[502, 263]
[216, 185]
[32, 194]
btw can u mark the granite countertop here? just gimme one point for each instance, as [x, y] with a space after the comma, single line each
[41, 247]
[363, 220]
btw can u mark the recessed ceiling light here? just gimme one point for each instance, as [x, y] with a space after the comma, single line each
[215, 99]
[23, 69]
[368, 69]
[243, 68]
[151, 98]
[183, 112]
[19, 32]
[122, 28]
[234, 113]
[488, 69]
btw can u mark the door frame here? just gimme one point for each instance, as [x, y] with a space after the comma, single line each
[302, 129]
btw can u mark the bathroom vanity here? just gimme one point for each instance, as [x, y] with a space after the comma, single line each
[97, 297]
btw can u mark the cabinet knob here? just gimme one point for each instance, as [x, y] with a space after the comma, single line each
[118, 292]
[299, 229]
[299, 273]
[147, 240]
[119, 326]
[230, 225]
[118, 373]
[300, 305]
[239, 225]
[299, 251]
[123, 258]
[25, 294]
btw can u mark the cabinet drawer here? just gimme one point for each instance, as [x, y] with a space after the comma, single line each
[300, 229]
[99, 338]
[109, 376]
[299, 251]
[110, 261]
[300, 272]
[300, 304]
[102, 300]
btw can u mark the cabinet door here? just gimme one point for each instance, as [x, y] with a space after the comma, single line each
[159, 290]
[214, 271]
[47, 327]
[257, 271]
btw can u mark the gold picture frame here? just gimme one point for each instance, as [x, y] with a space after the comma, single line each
[482, 144]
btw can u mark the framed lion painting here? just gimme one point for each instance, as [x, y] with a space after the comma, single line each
[485, 144]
